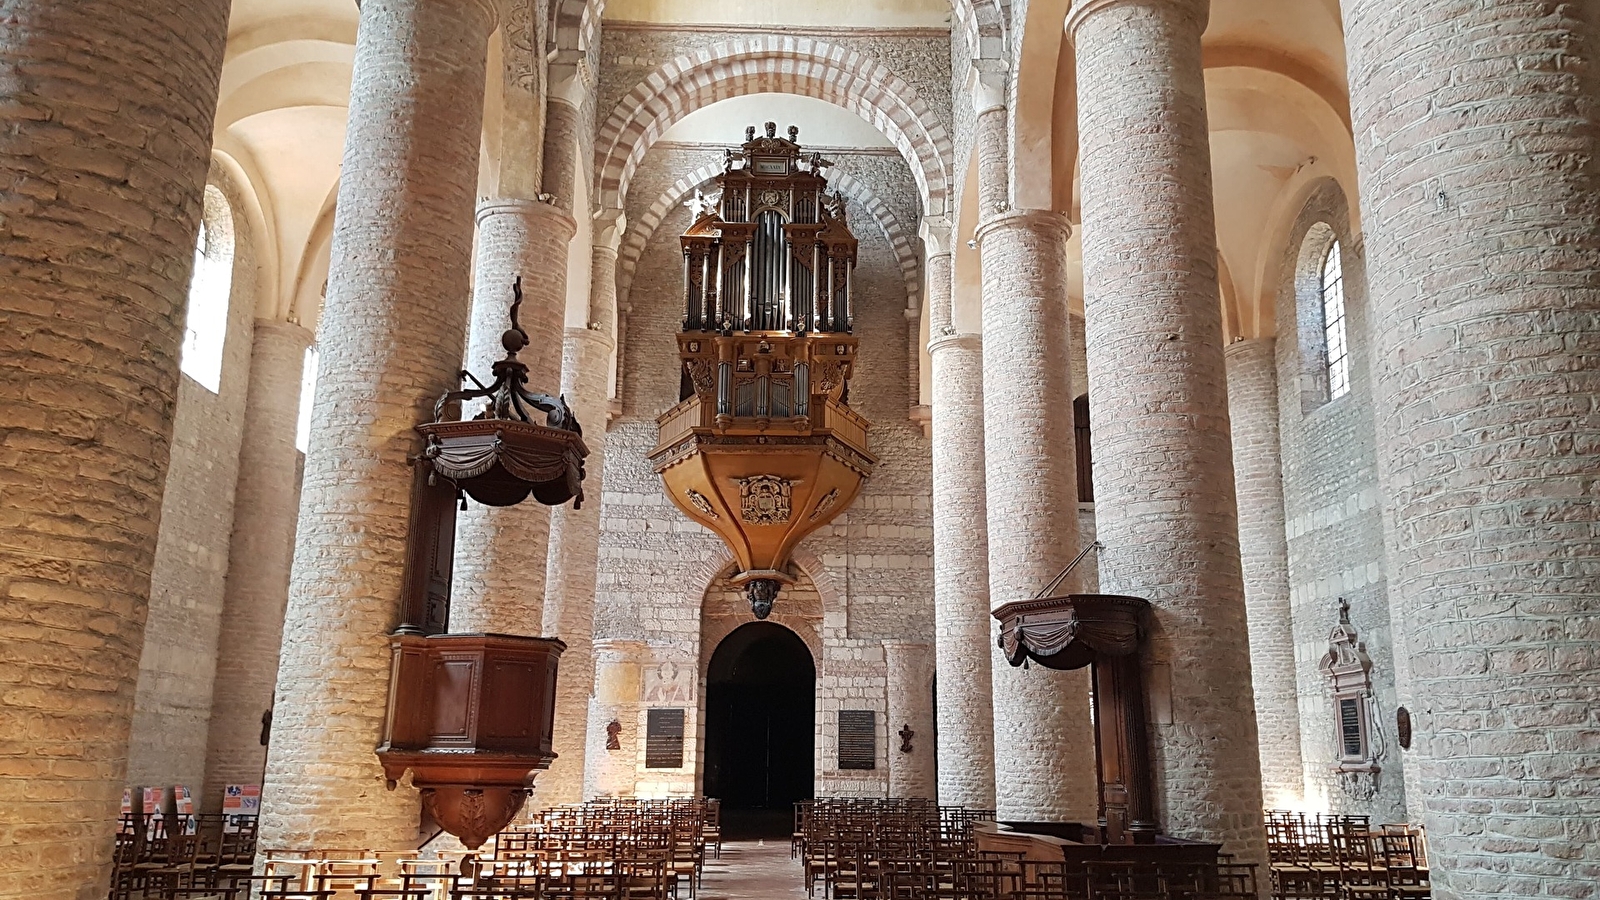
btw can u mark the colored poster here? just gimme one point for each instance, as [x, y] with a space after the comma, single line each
[183, 805]
[240, 802]
[155, 826]
[126, 821]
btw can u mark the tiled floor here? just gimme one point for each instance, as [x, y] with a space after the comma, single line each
[750, 870]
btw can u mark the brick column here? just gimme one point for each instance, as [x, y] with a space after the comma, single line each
[910, 705]
[499, 579]
[618, 674]
[1252, 371]
[109, 107]
[575, 533]
[391, 339]
[960, 556]
[1483, 254]
[1043, 744]
[560, 152]
[1164, 497]
[267, 500]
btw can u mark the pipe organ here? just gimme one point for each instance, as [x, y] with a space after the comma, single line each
[763, 447]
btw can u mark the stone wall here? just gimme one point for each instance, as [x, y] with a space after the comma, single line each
[172, 704]
[1330, 492]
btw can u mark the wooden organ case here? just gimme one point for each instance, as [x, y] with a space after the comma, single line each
[763, 448]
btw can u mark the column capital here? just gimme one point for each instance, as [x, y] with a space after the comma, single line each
[956, 341]
[592, 335]
[936, 232]
[1082, 10]
[1248, 345]
[608, 228]
[548, 214]
[1024, 218]
[293, 331]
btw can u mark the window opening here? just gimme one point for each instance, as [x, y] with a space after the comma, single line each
[1331, 289]
[206, 319]
[308, 389]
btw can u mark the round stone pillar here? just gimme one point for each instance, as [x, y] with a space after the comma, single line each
[1164, 496]
[560, 151]
[911, 744]
[1479, 132]
[575, 537]
[101, 178]
[267, 502]
[961, 620]
[391, 338]
[1043, 742]
[499, 578]
[615, 740]
[1252, 370]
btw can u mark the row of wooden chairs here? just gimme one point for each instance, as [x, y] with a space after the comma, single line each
[1344, 857]
[183, 857]
[914, 850]
[636, 835]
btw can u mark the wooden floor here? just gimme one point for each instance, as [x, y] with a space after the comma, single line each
[750, 871]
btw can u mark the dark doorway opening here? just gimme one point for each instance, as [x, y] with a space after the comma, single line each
[760, 729]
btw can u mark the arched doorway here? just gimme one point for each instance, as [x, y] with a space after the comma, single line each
[760, 727]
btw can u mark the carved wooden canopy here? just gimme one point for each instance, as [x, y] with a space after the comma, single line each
[1067, 632]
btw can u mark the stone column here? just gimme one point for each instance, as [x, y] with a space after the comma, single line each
[575, 533]
[1043, 743]
[910, 668]
[560, 152]
[391, 339]
[267, 502]
[1252, 370]
[1483, 254]
[960, 556]
[101, 180]
[499, 578]
[618, 679]
[1164, 497]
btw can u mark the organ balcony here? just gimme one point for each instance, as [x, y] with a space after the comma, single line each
[763, 447]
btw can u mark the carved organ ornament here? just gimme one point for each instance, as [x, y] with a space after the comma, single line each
[472, 715]
[763, 448]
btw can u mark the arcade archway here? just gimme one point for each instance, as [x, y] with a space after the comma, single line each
[760, 725]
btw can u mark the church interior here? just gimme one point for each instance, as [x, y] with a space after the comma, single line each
[724, 449]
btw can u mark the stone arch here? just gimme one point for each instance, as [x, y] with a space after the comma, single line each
[1317, 233]
[781, 64]
[800, 608]
[902, 242]
[573, 24]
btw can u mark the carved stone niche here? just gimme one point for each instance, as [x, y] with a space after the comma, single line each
[471, 715]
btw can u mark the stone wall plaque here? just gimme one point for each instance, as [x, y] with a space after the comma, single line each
[858, 739]
[663, 740]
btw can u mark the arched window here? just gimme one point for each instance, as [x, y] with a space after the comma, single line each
[206, 324]
[1330, 289]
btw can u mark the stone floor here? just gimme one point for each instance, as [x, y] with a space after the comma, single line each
[752, 870]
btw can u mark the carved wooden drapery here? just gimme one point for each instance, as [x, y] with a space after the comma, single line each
[1105, 632]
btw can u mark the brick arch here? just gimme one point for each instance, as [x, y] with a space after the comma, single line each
[900, 240]
[806, 624]
[782, 64]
